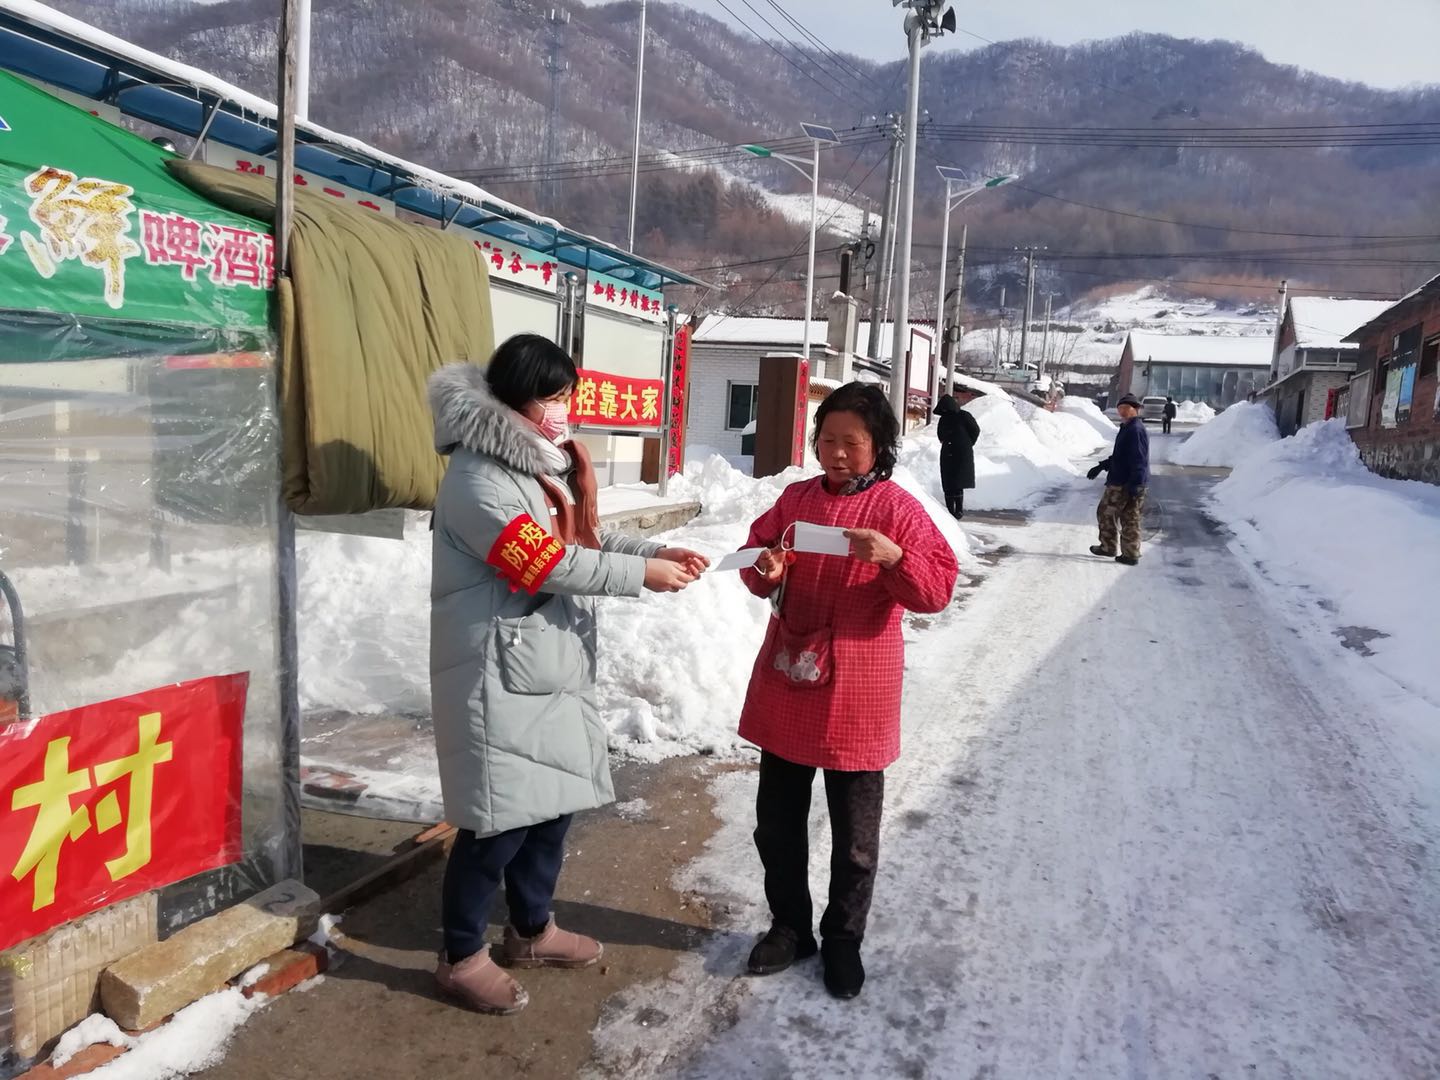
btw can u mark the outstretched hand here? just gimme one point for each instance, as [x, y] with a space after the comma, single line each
[693, 561]
[1093, 473]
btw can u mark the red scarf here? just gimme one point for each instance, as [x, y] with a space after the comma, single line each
[577, 522]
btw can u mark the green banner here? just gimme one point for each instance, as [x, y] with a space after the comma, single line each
[92, 224]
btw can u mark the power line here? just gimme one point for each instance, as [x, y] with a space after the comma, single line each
[837, 57]
[772, 47]
[844, 87]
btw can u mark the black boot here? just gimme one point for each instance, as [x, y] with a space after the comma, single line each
[844, 973]
[778, 949]
[1096, 549]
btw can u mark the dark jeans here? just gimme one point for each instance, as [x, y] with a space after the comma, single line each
[528, 860]
[1165, 426]
[956, 505]
[782, 812]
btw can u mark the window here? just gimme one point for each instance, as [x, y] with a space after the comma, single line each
[1405, 347]
[1429, 357]
[741, 411]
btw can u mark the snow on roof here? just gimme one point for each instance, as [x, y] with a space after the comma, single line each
[720, 329]
[1428, 287]
[1323, 322]
[1213, 349]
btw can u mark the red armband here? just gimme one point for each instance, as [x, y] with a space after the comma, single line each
[525, 554]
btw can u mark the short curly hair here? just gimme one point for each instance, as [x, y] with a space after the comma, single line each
[868, 402]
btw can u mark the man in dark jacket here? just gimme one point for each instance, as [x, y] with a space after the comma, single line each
[1169, 415]
[958, 430]
[1129, 475]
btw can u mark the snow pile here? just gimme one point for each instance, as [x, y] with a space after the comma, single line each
[364, 621]
[95, 1029]
[1088, 411]
[674, 667]
[1234, 435]
[1071, 435]
[1311, 513]
[195, 1038]
[1194, 412]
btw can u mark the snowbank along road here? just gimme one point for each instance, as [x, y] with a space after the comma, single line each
[1140, 828]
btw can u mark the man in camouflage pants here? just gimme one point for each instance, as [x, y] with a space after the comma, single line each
[1129, 476]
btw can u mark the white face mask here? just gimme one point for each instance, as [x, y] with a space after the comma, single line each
[555, 424]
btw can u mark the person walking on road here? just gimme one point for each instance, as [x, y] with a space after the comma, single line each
[518, 557]
[958, 431]
[825, 691]
[1168, 417]
[1129, 476]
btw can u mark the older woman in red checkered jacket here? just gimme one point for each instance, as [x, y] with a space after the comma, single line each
[825, 692]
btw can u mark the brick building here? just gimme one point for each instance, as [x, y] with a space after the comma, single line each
[1392, 404]
[1312, 357]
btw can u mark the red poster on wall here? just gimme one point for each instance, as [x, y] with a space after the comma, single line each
[605, 400]
[802, 412]
[679, 382]
[108, 801]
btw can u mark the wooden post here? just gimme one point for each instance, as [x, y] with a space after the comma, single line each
[782, 413]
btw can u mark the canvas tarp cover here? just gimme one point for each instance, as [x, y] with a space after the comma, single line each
[372, 307]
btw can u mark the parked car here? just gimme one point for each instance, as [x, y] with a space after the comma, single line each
[1152, 409]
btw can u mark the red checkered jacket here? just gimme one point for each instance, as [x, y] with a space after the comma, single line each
[852, 722]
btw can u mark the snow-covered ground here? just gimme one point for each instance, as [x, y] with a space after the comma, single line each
[1193, 412]
[1317, 521]
[1234, 435]
[1138, 828]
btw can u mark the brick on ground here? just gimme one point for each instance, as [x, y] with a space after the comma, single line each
[162, 978]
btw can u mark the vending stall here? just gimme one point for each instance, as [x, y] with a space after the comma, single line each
[145, 751]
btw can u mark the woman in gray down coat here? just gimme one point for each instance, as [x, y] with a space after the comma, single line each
[518, 558]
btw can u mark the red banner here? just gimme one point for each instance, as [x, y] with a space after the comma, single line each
[679, 385]
[108, 801]
[604, 400]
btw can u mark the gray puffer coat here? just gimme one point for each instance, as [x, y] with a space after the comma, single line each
[512, 676]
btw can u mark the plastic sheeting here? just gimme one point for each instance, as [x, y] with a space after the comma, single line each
[139, 475]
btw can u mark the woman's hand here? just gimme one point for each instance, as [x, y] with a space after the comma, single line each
[870, 546]
[772, 562]
[662, 575]
[693, 561]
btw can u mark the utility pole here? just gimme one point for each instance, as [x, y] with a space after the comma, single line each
[899, 354]
[881, 284]
[1029, 306]
[302, 59]
[639, 101]
[999, 322]
[1045, 340]
[957, 337]
[558, 19]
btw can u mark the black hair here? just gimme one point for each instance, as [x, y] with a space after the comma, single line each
[529, 368]
[868, 402]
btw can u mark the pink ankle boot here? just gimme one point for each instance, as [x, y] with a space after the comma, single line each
[552, 947]
[480, 984]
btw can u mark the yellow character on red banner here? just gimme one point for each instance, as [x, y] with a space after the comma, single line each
[650, 403]
[515, 555]
[630, 398]
[533, 536]
[585, 397]
[56, 821]
[85, 219]
[609, 406]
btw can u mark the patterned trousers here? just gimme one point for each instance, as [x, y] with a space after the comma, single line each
[1119, 512]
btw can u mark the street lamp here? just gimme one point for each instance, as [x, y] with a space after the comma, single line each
[817, 134]
[927, 19]
[953, 176]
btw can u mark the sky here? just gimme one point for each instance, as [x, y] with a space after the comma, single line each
[1386, 43]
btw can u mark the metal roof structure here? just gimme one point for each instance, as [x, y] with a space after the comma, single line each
[41, 43]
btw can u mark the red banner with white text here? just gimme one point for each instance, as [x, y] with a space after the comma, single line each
[108, 801]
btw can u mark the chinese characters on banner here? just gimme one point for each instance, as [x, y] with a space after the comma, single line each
[604, 400]
[107, 801]
[524, 554]
[612, 294]
[679, 383]
[802, 412]
[94, 222]
[520, 265]
[228, 157]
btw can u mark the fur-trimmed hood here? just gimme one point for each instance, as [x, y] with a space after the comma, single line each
[468, 414]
